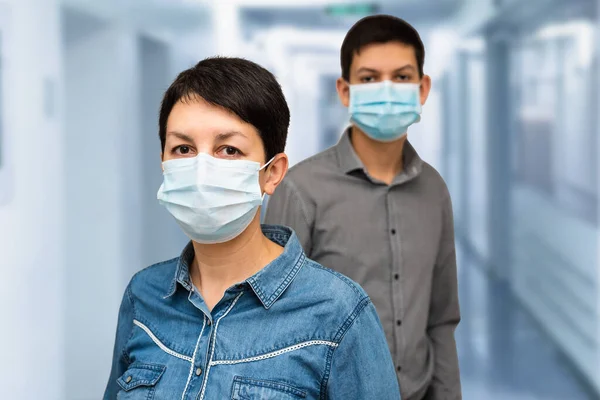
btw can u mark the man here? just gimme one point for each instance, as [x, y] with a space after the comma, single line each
[371, 209]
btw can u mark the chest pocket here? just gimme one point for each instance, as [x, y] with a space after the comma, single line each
[253, 389]
[139, 381]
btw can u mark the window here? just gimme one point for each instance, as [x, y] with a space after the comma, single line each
[333, 115]
[555, 117]
[6, 167]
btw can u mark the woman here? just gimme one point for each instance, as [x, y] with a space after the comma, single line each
[242, 313]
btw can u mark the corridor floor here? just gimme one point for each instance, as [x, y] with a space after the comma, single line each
[503, 353]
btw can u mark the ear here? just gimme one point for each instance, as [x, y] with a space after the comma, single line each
[425, 88]
[274, 173]
[343, 89]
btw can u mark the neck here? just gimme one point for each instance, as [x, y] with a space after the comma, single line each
[216, 267]
[382, 160]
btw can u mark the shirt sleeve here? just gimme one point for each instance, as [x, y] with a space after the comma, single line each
[120, 360]
[361, 365]
[444, 315]
[287, 207]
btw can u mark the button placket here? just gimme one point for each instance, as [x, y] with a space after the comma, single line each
[198, 361]
[396, 268]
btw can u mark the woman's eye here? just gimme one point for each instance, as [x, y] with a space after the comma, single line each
[229, 151]
[182, 150]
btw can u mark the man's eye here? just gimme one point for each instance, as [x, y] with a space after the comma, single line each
[403, 77]
[367, 79]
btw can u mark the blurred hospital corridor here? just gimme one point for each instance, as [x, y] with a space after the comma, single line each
[511, 124]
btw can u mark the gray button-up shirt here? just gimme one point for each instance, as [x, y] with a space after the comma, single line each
[397, 242]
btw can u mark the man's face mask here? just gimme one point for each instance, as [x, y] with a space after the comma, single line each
[385, 110]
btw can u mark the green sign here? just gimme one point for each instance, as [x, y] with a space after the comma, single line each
[343, 10]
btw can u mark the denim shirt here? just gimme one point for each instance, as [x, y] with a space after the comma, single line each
[294, 330]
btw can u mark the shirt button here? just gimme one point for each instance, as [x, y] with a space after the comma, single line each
[398, 322]
[396, 276]
[198, 371]
[208, 322]
[398, 368]
[129, 378]
[393, 231]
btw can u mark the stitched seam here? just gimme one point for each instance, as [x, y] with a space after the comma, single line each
[288, 279]
[301, 202]
[446, 206]
[164, 262]
[325, 381]
[350, 320]
[275, 353]
[159, 343]
[343, 278]
[159, 264]
[214, 344]
[281, 387]
[339, 336]
[194, 358]
[124, 350]
[153, 266]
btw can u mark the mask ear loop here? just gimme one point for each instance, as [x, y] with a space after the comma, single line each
[264, 166]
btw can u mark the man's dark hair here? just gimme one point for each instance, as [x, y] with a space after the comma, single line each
[239, 86]
[379, 29]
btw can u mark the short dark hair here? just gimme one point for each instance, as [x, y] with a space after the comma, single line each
[239, 86]
[379, 29]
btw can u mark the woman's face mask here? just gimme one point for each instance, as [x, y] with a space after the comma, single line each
[213, 200]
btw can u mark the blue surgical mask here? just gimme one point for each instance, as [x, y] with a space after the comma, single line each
[385, 110]
[213, 200]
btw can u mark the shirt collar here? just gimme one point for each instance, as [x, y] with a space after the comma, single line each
[270, 282]
[182, 271]
[347, 157]
[349, 161]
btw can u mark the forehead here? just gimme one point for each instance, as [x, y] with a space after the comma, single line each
[198, 116]
[384, 56]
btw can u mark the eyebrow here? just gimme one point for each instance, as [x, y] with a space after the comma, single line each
[365, 69]
[408, 66]
[374, 71]
[181, 136]
[226, 135]
[221, 136]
